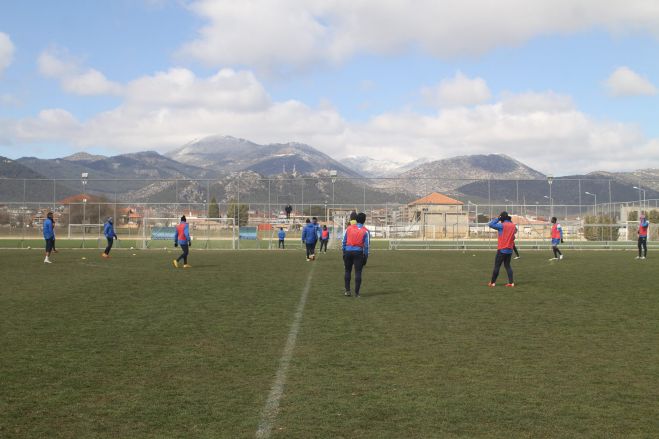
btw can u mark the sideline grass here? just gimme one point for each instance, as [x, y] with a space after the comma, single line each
[130, 347]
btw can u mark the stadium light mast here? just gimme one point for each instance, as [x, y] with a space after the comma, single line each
[550, 180]
[333, 175]
[83, 178]
[551, 205]
[594, 205]
[641, 202]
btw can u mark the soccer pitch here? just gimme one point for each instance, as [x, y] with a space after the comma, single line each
[132, 348]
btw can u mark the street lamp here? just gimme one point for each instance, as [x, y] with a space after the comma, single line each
[83, 179]
[550, 180]
[594, 205]
[641, 204]
[551, 205]
[333, 176]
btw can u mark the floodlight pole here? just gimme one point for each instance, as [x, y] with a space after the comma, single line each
[83, 178]
[333, 176]
[594, 205]
[641, 201]
[550, 180]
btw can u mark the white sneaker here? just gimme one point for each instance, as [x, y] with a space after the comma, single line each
[47, 261]
[560, 257]
[642, 257]
[516, 257]
[553, 259]
[638, 257]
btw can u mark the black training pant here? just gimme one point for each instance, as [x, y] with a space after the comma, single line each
[502, 258]
[356, 259]
[311, 249]
[109, 247]
[515, 250]
[184, 256]
[642, 243]
[281, 244]
[323, 243]
[50, 245]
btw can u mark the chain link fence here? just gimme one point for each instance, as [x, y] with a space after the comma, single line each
[246, 211]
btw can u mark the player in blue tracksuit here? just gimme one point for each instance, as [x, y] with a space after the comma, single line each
[281, 235]
[182, 238]
[356, 242]
[309, 239]
[110, 235]
[49, 236]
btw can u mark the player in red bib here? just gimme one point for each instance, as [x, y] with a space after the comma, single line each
[182, 239]
[324, 239]
[505, 243]
[355, 252]
[556, 239]
[643, 225]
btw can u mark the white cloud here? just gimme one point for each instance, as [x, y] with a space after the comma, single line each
[457, 91]
[298, 33]
[181, 88]
[52, 124]
[168, 109]
[8, 100]
[73, 77]
[6, 51]
[544, 130]
[626, 82]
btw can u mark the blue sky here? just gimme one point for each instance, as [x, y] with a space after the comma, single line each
[562, 86]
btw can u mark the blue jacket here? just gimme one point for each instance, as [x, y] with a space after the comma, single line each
[365, 243]
[108, 230]
[48, 229]
[281, 234]
[309, 233]
[186, 233]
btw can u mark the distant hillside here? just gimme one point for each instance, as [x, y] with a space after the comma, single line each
[36, 187]
[448, 174]
[225, 154]
[123, 168]
[646, 178]
[277, 191]
[12, 169]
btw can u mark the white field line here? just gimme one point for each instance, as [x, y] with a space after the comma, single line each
[271, 409]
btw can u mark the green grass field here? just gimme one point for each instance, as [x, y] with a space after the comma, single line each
[132, 348]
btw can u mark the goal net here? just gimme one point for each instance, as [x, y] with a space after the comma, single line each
[205, 233]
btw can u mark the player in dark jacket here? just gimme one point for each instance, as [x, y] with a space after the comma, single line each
[309, 238]
[49, 236]
[108, 231]
[282, 236]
